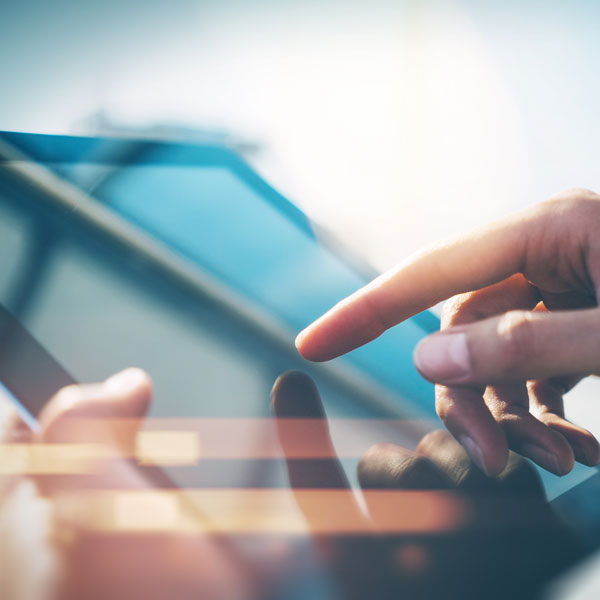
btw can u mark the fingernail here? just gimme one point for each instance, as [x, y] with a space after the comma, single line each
[125, 381]
[443, 358]
[299, 338]
[474, 452]
[542, 457]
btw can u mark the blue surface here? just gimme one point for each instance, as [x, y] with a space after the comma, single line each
[207, 205]
[210, 207]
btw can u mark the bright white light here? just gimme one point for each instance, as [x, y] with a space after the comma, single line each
[391, 136]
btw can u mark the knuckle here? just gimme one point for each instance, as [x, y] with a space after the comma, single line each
[517, 336]
[436, 438]
[377, 451]
[68, 396]
[445, 408]
[411, 467]
[389, 466]
[456, 310]
[372, 466]
[574, 200]
[580, 194]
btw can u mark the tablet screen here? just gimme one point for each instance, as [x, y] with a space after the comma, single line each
[215, 348]
[98, 306]
[213, 341]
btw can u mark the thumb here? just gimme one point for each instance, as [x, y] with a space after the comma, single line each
[98, 412]
[516, 346]
[107, 415]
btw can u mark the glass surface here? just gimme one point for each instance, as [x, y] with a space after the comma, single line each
[208, 206]
[14, 236]
[99, 309]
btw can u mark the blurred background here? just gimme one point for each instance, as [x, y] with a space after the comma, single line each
[389, 123]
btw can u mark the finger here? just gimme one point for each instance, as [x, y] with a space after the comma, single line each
[295, 396]
[90, 413]
[70, 416]
[546, 403]
[520, 478]
[512, 293]
[125, 395]
[389, 466]
[516, 346]
[464, 411]
[452, 459]
[466, 416]
[509, 405]
[480, 259]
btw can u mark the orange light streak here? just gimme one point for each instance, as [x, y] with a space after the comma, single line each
[265, 511]
[172, 441]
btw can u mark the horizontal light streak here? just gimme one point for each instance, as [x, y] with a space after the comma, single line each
[256, 511]
[167, 447]
[185, 441]
[53, 459]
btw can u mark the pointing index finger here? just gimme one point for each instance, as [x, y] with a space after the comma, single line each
[484, 257]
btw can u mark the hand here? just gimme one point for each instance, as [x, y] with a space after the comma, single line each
[96, 564]
[523, 331]
[508, 546]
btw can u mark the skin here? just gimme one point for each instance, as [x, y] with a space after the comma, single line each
[147, 566]
[521, 329]
[510, 547]
[529, 543]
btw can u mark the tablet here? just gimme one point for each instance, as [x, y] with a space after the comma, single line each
[181, 260]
